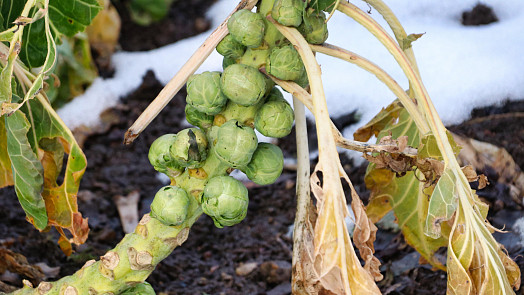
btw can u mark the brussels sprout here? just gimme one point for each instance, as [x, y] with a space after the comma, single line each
[275, 119]
[314, 28]
[140, 289]
[244, 115]
[197, 118]
[229, 47]
[204, 94]
[255, 58]
[247, 28]
[285, 63]
[190, 148]
[160, 157]
[303, 81]
[235, 144]
[225, 199]
[288, 12]
[170, 205]
[227, 61]
[243, 84]
[266, 165]
[275, 95]
[273, 37]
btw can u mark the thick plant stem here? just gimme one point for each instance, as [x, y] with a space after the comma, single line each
[372, 68]
[128, 264]
[302, 232]
[176, 83]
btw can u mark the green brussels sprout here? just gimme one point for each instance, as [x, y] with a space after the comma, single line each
[243, 84]
[266, 165]
[303, 81]
[314, 28]
[170, 205]
[247, 28]
[227, 61]
[235, 144]
[275, 95]
[160, 157]
[140, 289]
[229, 47]
[244, 115]
[288, 12]
[285, 63]
[190, 148]
[204, 94]
[275, 119]
[273, 37]
[255, 58]
[225, 199]
[197, 118]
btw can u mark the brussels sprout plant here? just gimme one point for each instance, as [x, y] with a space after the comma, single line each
[277, 44]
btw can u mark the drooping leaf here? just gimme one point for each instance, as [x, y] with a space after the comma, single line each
[54, 138]
[406, 195]
[34, 44]
[27, 169]
[442, 205]
[6, 174]
[72, 16]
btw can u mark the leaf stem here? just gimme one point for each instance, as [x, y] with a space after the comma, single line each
[176, 83]
[372, 68]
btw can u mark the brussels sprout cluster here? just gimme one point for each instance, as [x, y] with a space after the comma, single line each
[226, 108]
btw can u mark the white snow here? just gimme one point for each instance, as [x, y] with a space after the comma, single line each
[519, 228]
[462, 67]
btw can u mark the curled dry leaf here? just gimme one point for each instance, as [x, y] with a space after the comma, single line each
[480, 155]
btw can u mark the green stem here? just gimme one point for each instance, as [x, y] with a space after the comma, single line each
[128, 264]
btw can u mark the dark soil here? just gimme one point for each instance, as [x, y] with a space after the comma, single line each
[207, 262]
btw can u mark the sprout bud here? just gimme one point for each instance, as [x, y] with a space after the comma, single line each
[160, 157]
[266, 165]
[225, 199]
[288, 12]
[227, 61]
[314, 28]
[235, 144]
[275, 119]
[170, 205]
[197, 118]
[255, 58]
[243, 84]
[285, 63]
[229, 47]
[204, 94]
[190, 148]
[247, 28]
[275, 95]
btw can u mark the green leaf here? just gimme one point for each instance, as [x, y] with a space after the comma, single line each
[34, 44]
[72, 16]
[9, 11]
[442, 205]
[406, 195]
[6, 174]
[326, 5]
[54, 138]
[27, 169]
